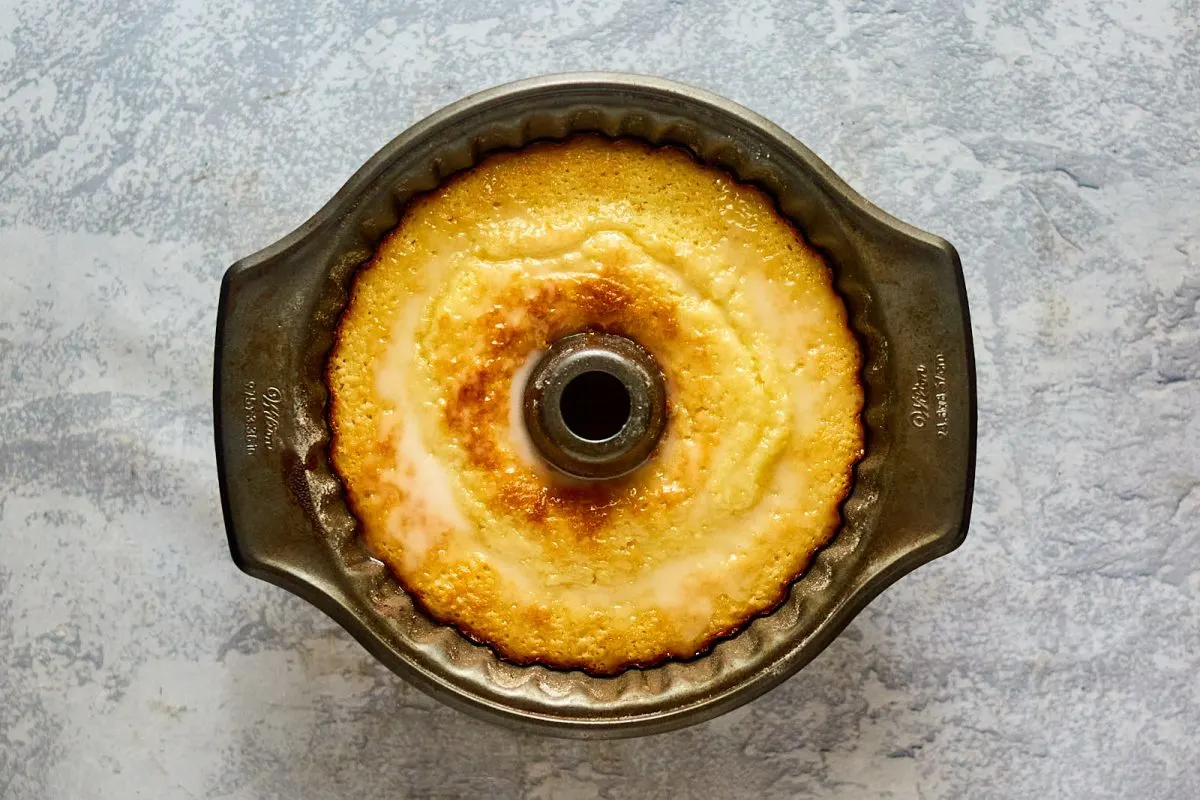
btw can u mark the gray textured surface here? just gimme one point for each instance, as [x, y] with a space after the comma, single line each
[144, 147]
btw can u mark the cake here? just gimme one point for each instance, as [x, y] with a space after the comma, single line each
[764, 403]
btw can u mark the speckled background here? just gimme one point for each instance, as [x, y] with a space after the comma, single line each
[146, 146]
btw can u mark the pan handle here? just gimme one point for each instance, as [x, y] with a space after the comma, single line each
[930, 422]
[263, 448]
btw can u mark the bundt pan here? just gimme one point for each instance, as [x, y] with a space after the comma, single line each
[285, 510]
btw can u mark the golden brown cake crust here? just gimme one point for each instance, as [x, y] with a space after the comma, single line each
[764, 425]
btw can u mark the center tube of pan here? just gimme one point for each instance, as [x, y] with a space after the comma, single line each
[594, 405]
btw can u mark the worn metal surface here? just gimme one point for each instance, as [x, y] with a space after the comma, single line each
[145, 148]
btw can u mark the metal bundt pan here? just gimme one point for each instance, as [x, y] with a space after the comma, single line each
[285, 513]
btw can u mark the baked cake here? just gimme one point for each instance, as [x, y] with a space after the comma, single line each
[764, 403]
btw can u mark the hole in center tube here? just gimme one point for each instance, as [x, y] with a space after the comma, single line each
[595, 406]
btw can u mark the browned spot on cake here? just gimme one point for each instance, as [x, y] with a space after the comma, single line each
[585, 508]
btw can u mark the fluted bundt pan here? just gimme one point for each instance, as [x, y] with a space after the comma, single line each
[285, 511]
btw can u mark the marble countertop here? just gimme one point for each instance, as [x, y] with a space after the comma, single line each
[146, 146]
